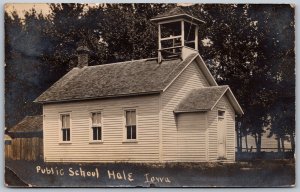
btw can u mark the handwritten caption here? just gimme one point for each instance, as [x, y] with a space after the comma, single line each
[120, 175]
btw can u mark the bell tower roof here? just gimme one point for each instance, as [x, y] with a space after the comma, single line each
[176, 13]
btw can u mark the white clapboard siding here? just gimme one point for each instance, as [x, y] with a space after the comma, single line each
[190, 78]
[223, 104]
[191, 139]
[112, 149]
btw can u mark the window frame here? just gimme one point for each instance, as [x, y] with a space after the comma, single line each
[125, 140]
[61, 127]
[223, 113]
[91, 139]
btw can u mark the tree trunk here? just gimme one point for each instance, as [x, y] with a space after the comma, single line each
[292, 138]
[246, 142]
[238, 139]
[255, 138]
[258, 142]
[278, 145]
[241, 141]
[282, 144]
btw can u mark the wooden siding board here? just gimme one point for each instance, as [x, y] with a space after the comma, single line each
[112, 148]
[230, 130]
[189, 79]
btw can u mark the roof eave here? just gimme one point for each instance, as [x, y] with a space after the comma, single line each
[93, 98]
[232, 100]
[235, 103]
[174, 16]
[206, 71]
[191, 111]
[24, 131]
[219, 99]
[70, 73]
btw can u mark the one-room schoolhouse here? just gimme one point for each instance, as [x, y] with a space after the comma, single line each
[164, 109]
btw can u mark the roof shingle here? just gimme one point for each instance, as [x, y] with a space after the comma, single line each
[116, 79]
[29, 124]
[202, 99]
[172, 12]
[176, 12]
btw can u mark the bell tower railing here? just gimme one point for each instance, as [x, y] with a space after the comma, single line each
[181, 33]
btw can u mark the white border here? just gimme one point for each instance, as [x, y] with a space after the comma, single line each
[3, 188]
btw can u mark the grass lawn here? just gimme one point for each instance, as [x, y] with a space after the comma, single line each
[275, 173]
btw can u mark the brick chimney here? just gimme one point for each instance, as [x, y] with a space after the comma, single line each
[83, 56]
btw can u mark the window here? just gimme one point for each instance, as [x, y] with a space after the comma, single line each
[96, 126]
[65, 127]
[221, 114]
[130, 124]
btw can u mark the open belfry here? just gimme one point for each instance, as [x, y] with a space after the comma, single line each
[177, 34]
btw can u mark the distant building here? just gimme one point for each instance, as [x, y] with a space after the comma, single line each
[27, 139]
[165, 109]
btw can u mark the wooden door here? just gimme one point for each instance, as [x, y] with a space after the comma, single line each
[221, 135]
[191, 137]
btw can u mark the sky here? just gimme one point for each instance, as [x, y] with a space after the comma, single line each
[21, 8]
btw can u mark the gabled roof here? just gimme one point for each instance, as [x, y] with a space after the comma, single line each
[139, 77]
[177, 12]
[117, 79]
[29, 124]
[205, 99]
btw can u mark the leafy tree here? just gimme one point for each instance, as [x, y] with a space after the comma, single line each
[13, 28]
[244, 52]
[40, 49]
[276, 38]
[65, 31]
[25, 73]
[124, 31]
[232, 57]
[249, 47]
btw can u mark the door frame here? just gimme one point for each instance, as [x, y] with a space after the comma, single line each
[221, 114]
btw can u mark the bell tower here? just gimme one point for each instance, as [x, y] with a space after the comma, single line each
[177, 34]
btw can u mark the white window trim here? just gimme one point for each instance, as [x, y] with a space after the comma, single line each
[60, 128]
[91, 141]
[125, 140]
